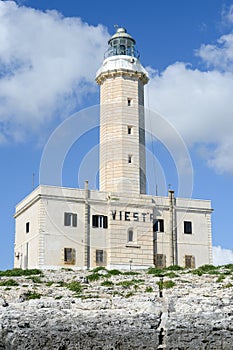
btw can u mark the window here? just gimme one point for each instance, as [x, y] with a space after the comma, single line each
[188, 227]
[27, 227]
[189, 261]
[129, 101]
[160, 260]
[129, 159]
[70, 219]
[130, 235]
[99, 221]
[69, 256]
[158, 225]
[100, 257]
[129, 130]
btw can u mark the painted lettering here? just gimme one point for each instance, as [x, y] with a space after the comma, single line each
[135, 216]
[114, 214]
[144, 217]
[127, 214]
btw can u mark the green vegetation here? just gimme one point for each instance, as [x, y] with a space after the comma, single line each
[32, 295]
[165, 284]
[99, 268]
[129, 294]
[174, 268]
[20, 272]
[9, 283]
[228, 285]
[131, 273]
[204, 269]
[94, 277]
[129, 283]
[220, 278]
[107, 283]
[35, 279]
[74, 286]
[149, 290]
[155, 271]
[114, 272]
[49, 284]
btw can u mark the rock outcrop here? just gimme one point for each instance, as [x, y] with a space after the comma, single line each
[63, 310]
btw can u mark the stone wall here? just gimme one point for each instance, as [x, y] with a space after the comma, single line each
[126, 312]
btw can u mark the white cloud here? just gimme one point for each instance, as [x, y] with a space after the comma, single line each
[199, 103]
[222, 256]
[47, 64]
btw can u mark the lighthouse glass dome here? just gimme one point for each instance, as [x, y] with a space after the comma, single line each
[121, 43]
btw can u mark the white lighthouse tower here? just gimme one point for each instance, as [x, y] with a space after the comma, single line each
[83, 228]
[122, 135]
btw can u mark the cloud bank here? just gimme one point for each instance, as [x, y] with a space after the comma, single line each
[47, 65]
[222, 256]
[199, 102]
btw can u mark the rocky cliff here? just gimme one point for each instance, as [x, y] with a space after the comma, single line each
[117, 311]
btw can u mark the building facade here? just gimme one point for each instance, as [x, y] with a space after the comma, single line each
[119, 226]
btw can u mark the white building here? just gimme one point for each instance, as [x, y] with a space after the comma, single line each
[119, 226]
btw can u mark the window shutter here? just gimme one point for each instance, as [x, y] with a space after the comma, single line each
[105, 222]
[161, 224]
[95, 221]
[74, 220]
[67, 219]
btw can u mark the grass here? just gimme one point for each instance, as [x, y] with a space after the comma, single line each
[20, 272]
[94, 277]
[32, 295]
[9, 283]
[155, 271]
[107, 283]
[220, 278]
[35, 279]
[166, 284]
[129, 283]
[149, 290]
[74, 286]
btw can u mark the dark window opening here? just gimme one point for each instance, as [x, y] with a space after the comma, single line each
[129, 130]
[69, 256]
[158, 225]
[130, 236]
[70, 219]
[188, 227]
[129, 101]
[27, 227]
[100, 221]
[129, 159]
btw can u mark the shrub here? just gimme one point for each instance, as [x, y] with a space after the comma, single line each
[174, 268]
[20, 272]
[74, 286]
[107, 283]
[49, 284]
[35, 279]
[165, 284]
[220, 278]
[128, 295]
[9, 283]
[171, 274]
[32, 295]
[99, 268]
[131, 273]
[228, 285]
[155, 271]
[94, 277]
[149, 290]
[114, 272]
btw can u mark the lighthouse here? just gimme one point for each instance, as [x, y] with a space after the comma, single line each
[120, 225]
[122, 126]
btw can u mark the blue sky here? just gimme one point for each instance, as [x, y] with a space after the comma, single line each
[49, 53]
